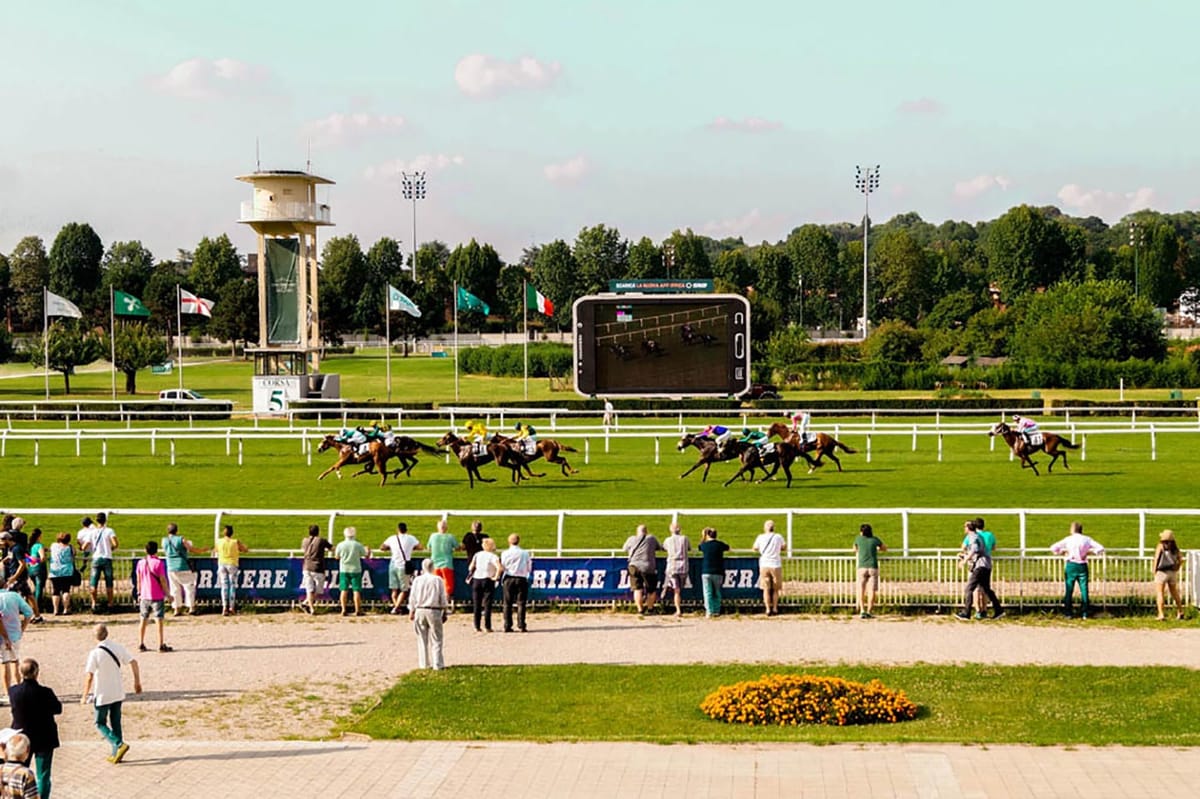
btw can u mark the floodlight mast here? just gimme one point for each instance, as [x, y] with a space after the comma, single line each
[413, 187]
[866, 181]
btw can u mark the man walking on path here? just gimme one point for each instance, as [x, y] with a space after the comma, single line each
[314, 547]
[428, 605]
[518, 566]
[34, 707]
[182, 579]
[152, 595]
[769, 546]
[1077, 548]
[100, 540]
[677, 546]
[400, 546]
[978, 558]
[643, 568]
[103, 669]
[350, 555]
[868, 547]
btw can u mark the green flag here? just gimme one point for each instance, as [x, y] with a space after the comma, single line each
[128, 305]
[469, 302]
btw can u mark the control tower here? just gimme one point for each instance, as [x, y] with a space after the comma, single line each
[285, 214]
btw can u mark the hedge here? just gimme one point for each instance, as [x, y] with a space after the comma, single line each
[545, 360]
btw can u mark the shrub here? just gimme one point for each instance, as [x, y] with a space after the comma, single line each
[792, 699]
[545, 360]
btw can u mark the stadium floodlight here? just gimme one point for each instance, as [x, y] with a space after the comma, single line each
[668, 251]
[866, 181]
[413, 187]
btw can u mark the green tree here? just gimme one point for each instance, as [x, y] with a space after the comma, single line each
[161, 294]
[602, 256]
[385, 266]
[214, 263]
[30, 271]
[510, 298]
[987, 333]
[127, 267]
[554, 273]
[74, 267]
[734, 268]
[137, 346]
[903, 278]
[1096, 319]
[688, 255]
[343, 275]
[645, 260]
[6, 293]
[433, 294]
[788, 346]
[235, 312]
[813, 251]
[893, 341]
[71, 344]
[476, 268]
[1027, 250]
[773, 276]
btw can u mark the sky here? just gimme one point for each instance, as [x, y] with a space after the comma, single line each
[534, 119]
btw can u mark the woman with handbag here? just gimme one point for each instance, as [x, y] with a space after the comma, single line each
[63, 574]
[484, 570]
[1167, 560]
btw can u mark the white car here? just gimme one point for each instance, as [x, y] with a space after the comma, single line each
[180, 394]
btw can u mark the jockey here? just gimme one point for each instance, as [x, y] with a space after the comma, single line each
[756, 437]
[720, 432]
[527, 436]
[1026, 427]
[476, 430]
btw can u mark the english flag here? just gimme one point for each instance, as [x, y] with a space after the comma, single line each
[190, 303]
[537, 301]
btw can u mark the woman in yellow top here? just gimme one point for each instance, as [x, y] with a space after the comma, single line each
[228, 550]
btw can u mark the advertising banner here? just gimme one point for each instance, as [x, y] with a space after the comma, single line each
[283, 305]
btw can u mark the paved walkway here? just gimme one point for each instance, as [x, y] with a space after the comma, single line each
[513, 770]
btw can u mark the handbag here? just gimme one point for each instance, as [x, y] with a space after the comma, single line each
[76, 578]
[1168, 561]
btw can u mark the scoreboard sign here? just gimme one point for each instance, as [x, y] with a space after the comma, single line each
[662, 345]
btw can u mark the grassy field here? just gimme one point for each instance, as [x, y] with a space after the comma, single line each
[969, 703]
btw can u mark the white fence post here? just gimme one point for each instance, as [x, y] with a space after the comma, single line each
[37, 452]
[559, 539]
[1021, 517]
[228, 440]
[656, 461]
[153, 441]
[172, 452]
[904, 531]
[79, 442]
[914, 443]
[104, 452]
[1153, 444]
[1142, 533]
[1083, 447]
[239, 452]
[587, 451]
[789, 532]
[868, 447]
[940, 447]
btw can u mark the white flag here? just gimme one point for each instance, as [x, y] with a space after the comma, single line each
[190, 303]
[399, 301]
[61, 306]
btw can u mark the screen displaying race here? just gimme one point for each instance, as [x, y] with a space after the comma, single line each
[659, 345]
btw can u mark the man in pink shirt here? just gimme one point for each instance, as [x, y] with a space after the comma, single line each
[1076, 547]
[152, 594]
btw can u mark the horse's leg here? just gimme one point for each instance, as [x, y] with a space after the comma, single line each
[834, 458]
[704, 477]
[787, 469]
[697, 465]
[736, 475]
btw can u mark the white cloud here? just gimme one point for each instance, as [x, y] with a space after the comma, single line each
[922, 105]
[426, 162]
[751, 226]
[340, 128]
[481, 75]
[970, 189]
[203, 78]
[1108, 205]
[745, 125]
[568, 171]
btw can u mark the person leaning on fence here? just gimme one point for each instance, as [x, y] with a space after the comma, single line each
[1077, 548]
[712, 570]
[441, 548]
[63, 574]
[518, 567]
[642, 549]
[182, 580]
[1167, 562]
[229, 551]
[978, 559]
[314, 548]
[428, 605]
[484, 570]
[101, 541]
[350, 554]
[867, 547]
[769, 546]
[400, 547]
[677, 546]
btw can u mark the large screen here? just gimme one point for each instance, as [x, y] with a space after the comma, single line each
[655, 345]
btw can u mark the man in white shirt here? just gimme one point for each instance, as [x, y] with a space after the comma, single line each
[100, 540]
[428, 604]
[518, 566]
[769, 546]
[400, 547]
[677, 546]
[1076, 547]
[103, 670]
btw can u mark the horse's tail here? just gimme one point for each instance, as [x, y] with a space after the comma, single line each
[427, 448]
[847, 450]
[567, 448]
[1067, 444]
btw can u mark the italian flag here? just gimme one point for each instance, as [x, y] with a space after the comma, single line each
[537, 301]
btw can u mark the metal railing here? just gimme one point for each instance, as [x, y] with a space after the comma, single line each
[280, 211]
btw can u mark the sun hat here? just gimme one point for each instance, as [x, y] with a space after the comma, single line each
[1166, 535]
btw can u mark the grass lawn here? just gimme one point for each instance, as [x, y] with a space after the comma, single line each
[967, 703]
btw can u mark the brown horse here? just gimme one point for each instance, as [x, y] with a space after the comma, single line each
[1024, 450]
[406, 449]
[782, 455]
[468, 458]
[375, 458]
[824, 445]
[511, 451]
[710, 453]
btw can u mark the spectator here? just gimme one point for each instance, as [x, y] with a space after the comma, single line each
[35, 562]
[1167, 561]
[16, 780]
[1076, 548]
[34, 707]
[62, 574]
[103, 669]
[978, 559]
[229, 551]
[350, 555]
[400, 546]
[14, 566]
[441, 551]
[677, 547]
[180, 576]
[21, 552]
[867, 547]
[14, 617]
[152, 587]
[484, 569]
[989, 539]
[517, 565]
[610, 416]
[473, 541]
[101, 541]
[712, 570]
[428, 606]
[643, 568]
[769, 546]
[315, 548]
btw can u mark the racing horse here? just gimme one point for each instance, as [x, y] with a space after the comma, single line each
[348, 455]
[1024, 450]
[710, 453]
[405, 449]
[509, 452]
[823, 445]
[780, 455]
[468, 457]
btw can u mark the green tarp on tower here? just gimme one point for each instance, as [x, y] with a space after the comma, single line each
[283, 307]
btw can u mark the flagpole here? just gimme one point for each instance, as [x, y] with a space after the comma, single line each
[387, 327]
[525, 327]
[46, 336]
[456, 341]
[112, 339]
[179, 329]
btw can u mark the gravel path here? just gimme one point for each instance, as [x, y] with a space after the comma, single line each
[232, 677]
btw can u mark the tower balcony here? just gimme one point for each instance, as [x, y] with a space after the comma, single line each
[312, 213]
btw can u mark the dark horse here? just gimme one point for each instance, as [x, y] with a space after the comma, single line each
[824, 444]
[1024, 450]
[406, 449]
[710, 453]
[348, 455]
[782, 455]
[509, 451]
[467, 457]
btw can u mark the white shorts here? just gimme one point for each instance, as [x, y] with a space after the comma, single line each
[314, 583]
[10, 653]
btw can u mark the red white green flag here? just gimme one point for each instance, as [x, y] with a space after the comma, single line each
[537, 301]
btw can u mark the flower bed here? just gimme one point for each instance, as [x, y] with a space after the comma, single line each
[791, 699]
